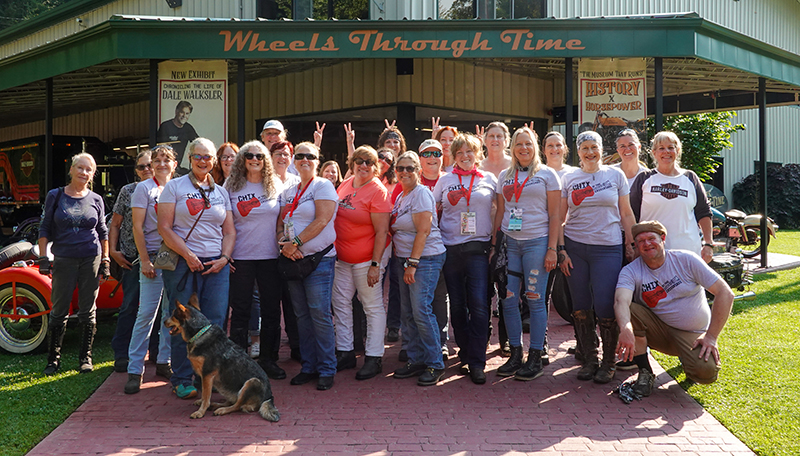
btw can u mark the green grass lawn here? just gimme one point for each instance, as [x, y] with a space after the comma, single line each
[757, 395]
[34, 405]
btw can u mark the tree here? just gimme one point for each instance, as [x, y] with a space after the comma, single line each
[13, 12]
[703, 137]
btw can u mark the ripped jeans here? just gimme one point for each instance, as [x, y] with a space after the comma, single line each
[526, 274]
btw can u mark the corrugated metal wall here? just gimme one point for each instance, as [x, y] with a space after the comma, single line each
[242, 9]
[442, 83]
[106, 124]
[771, 21]
[782, 144]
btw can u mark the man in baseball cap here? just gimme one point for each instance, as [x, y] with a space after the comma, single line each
[660, 302]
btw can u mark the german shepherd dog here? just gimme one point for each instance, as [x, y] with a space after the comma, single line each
[222, 364]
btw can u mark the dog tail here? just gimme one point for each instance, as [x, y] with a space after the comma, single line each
[268, 411]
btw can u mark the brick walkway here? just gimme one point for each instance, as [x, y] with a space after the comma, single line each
[554, 414]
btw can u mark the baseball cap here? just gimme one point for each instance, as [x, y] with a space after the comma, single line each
[430, 143]
[273, 124]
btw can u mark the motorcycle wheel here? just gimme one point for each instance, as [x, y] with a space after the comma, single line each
[754, 249]
[27, 334]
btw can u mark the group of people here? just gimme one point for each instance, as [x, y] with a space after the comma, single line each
[263, 230]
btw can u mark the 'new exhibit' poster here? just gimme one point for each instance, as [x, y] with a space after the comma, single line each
[612, 97]
[193, 101]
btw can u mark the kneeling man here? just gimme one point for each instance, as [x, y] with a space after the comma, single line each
[660, 302]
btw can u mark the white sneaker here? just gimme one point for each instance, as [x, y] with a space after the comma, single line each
[255, 350]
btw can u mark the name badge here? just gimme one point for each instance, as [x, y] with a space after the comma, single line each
[469, 222]
[515, 221]
[288, 230]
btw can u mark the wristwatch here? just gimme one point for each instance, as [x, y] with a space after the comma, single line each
[374, 264]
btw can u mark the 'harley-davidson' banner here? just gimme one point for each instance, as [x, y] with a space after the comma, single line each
[612, 97]
[193, 101]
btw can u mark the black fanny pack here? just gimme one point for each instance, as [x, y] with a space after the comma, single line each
[302, 268]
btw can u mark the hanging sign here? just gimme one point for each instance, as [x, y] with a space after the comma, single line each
[193, 102]
[612, 98]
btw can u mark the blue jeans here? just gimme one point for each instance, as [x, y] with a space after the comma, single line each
[212, 293]
[127, 313]
[467, 276]
[593, 278]
[147, 319]
[421, 330]
[311, 298]
[526, 260]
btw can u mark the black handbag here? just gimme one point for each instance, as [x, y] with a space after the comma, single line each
[302, 268]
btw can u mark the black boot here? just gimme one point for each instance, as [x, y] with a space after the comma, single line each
[532, 368]
[54, 342]
[513, 364]
[345, 360]
[85, 356]
[587, 342]
[373, 365]
[609, 333]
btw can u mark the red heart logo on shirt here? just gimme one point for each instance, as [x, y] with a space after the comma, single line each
[652, 297]
[455, 196]
[246, 206]
[194, 206]
[581, 194]
[508, 192]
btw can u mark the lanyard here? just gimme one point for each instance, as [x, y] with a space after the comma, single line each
[469, 192]
[518, 190]
[297, 197]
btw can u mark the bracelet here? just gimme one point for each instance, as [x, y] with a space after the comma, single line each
[106, 260]
[226, 257]
[550, 248]
[414, 261]
[562, 247]
[708, 245]
[297, 241]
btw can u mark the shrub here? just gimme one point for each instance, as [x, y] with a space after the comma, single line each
[783, 194]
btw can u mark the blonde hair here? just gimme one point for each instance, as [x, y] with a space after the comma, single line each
[537, 160]
[469, 140]
[667, 136]
[560, 137]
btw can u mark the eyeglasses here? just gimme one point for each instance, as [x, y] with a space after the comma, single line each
[199, 157]
[405, 169]
[430, 153]
[228, 157]
[361, 161]
[386, 158]
[250, 156]
[144, 167]
[298, 157]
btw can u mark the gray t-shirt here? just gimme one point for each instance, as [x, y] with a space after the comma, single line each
[593, 200]
[451, 192]
[255, 215]
[674, 292]
[206, 239]
[531, 206]
[319, 189]
[146, 197]
[564, 170]
[123, 207]
[420, 199]
[641, 169]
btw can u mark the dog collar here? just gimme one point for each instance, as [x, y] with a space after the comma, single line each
[199, 333]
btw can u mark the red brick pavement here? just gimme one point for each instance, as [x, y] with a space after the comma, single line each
[554, 414]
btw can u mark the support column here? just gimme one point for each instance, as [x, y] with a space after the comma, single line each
[762, 165]
[154, 101]
[659, 76]
[568, 110]
[48, 134]
[240, 101]
[407, 123]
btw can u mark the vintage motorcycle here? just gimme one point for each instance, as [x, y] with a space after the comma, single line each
[741, 232]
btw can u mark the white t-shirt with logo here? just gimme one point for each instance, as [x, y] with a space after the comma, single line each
[255, 216]
[451, 192]
[420, 199]
[675, 291]
[593, 200]
[532, 204]
[319, 189]
[206, 239]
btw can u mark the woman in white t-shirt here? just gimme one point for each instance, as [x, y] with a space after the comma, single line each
[596, 210]
[253, 189]
[527, 213]
[306, 227]
[628, 148]
[555, 150]
[195, 220]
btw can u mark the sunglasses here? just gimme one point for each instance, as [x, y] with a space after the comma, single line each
[144, 167]
[430, 153]
[250, 156]
[361, 161]
[298, 157]
[406, 169]
[387, 158]
[199, 157]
